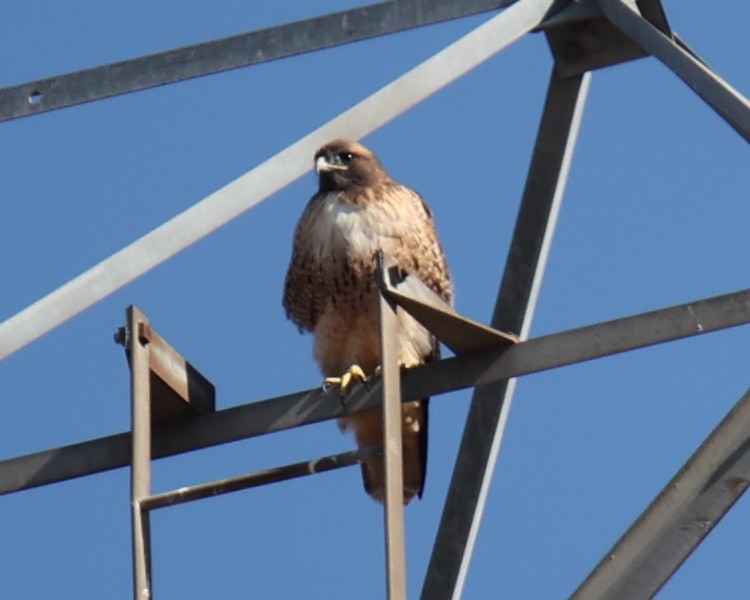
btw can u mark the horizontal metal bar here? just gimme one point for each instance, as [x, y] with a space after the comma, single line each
[258, 184]
[233, 52]
[680, 517]
[315, 405]
[732, 106]
[251, 480]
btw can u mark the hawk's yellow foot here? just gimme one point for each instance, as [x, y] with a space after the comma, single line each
[353, 373]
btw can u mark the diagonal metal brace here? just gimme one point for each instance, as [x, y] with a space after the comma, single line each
[732, 106]
[243, 50]
[459, 333]
[680, 517]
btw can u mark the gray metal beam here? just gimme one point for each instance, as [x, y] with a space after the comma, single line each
[242, 50]
[589, 43]
[680, 517]
[140, 473]
[654, 12]
[732, 106]
[516, 302]
[393, 456]
[251, 480]
[457, 332]
[315, 405]
[258, 184]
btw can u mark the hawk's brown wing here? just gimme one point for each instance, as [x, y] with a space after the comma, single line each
[302, 293]
[419, 252]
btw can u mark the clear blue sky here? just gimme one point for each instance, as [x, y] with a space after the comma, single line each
[655, 214]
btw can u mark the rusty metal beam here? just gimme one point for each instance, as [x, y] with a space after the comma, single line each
[311, 406]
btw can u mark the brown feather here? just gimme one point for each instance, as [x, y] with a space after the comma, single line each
[329, 288]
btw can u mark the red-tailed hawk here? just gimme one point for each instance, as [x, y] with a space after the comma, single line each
[330, 288]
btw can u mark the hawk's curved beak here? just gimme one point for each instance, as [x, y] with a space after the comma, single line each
[322, 164]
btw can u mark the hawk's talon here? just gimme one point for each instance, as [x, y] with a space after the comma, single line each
[353, 373]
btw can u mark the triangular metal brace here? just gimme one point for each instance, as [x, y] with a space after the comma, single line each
[457, 332]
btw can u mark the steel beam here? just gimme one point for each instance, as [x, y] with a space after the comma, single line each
[450, 374]
[457, 332]
[732, 106]
[177, 389]
[488, 414]
[392, 443]
[252, 48]
[251, 480]
[246, 49]
[140, 475]
[653, 11]
[680, 517]
[243, 193]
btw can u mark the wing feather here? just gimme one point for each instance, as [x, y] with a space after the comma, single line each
[419, 252]
[302, 294]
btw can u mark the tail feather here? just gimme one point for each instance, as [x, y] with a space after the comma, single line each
[423, 434]
[368, 429]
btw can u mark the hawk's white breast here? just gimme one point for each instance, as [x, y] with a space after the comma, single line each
[359, 231]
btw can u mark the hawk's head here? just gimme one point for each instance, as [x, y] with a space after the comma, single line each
[343, 164]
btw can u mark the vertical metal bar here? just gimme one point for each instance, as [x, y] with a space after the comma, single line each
[392, 447]
[717, 93]
[140, 481]
[514, 309]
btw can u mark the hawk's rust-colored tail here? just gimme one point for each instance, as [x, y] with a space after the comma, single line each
[368, 429]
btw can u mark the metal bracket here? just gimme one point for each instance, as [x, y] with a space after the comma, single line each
[167, 390]
[591, 41]
[164, 387]
[457, 332]
[177, 389]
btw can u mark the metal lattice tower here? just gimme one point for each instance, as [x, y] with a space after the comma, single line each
[583, 36]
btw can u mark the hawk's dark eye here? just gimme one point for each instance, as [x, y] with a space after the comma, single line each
[346, 157]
